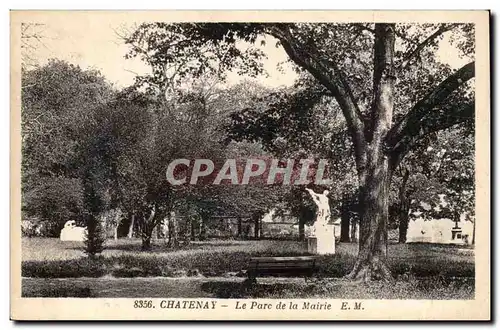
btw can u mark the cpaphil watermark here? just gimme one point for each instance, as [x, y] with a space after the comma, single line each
[265, 171]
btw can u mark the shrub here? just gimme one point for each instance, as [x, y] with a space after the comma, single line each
[95, 236]
[83, 267]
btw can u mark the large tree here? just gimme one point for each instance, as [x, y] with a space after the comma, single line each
[373, 71]
[59, 103]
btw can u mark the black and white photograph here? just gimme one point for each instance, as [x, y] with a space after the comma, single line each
[205, 165]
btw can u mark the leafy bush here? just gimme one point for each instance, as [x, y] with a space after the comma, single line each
[95, 237]
[83, 267]
[54, 200]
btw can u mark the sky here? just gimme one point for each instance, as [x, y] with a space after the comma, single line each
[96, 45]
[91, 42]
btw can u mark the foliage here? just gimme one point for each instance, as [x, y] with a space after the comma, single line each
[160, 44]
[57, 100]
[55, 200]
[444, 182]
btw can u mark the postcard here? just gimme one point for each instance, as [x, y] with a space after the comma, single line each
[250, 165]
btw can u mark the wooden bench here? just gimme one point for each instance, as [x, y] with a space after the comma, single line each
[282, 266]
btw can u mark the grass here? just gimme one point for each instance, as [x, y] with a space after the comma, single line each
[51, 258]
[52, 268]
[154, 287]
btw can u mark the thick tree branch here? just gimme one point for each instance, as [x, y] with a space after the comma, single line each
[435, 121]
[415, 51]
[330, 76]
[412, 122]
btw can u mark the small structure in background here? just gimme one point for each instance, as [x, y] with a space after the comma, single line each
[71, 232]
[336, 229]
[443, 231]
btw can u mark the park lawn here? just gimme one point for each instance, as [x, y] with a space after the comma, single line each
[216, 287]
[52, 268]
[51, 258]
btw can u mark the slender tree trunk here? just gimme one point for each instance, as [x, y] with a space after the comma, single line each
[117, 221]
[187, 231]
[173, 232]
[146, 243]
[404, 220]
[354, 230]
[474, 232]
[131, 227]
[239, 227]
[302, 235]
[375, 174]
[203, 227]
[256, 221]
[345, 221]
[345, 229]
[155, 235]
[404, 208]
[193, 230]
[165, 230]
[147, 231]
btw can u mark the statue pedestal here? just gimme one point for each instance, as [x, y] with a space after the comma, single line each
[312, 245]
[323, 242]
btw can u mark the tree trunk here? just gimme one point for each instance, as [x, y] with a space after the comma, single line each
[256, 221]
[302, 235]
[474, 232]
[239, 227]
[403, 227]
[193, 230]
[146, 243]
[404, 208]
[374, 197]
[131, 227]
[164, 230]
[374, 174]
[155, 233]
[203, 227]
[187, 231]
[147, 231]
[117, 221]
[345, 221]
[173, 233]
[404, 219]
[354, 230]
[345, 229]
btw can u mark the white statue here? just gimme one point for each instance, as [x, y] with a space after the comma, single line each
[322, 231]
[71, 232]
[323, 214]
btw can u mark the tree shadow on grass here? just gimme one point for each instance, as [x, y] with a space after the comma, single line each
[234, 290]
[60, 292]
